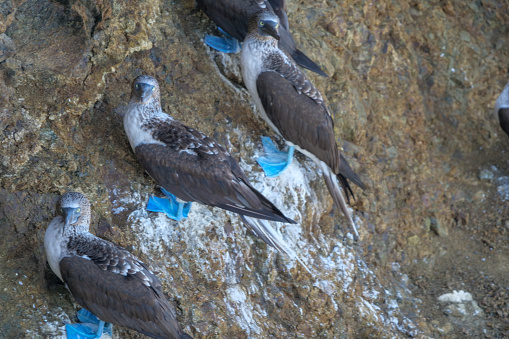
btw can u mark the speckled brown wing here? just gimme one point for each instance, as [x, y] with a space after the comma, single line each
[133, 299]
[300, 119]
[280, 63]
[195, 168]
[113, 258]
[231, 15]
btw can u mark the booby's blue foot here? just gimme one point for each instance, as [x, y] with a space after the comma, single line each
[274, 162]
[171, 207]
[90, 327]
[228, 44]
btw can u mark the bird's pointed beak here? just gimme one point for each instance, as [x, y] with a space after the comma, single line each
[270, 28]
[70, 216]
[144, 91]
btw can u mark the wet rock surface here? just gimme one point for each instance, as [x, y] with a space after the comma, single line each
[412, 87]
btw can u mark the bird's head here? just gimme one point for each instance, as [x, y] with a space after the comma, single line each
[145, 89]
[266, 24]
[76, 209]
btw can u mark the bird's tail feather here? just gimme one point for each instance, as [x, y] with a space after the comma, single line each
[304, 61]
[337, 196]
[346, 187]
[267, 233]
[346, 171]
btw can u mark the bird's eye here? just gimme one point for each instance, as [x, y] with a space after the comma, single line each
[137, 86]
[261, 23]
[152, 89]
[78, 210]
[277, 25]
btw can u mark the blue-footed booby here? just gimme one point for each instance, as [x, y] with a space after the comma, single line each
[502, 109]
[105, 279]
[232, 17]
[193, 167]
[292, 106]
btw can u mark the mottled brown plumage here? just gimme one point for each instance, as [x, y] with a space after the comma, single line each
[194, 167]
[233, 17]
[311, 128]
[104, 278]
[134, 300]
[292, 105]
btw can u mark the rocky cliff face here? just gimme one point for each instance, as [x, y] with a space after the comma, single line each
[411, 86]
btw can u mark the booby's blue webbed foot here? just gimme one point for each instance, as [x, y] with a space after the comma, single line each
[89, 327]
[228, 44]
[170, 206]
[274, 162]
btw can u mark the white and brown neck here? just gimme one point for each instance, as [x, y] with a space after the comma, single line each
[138, 119]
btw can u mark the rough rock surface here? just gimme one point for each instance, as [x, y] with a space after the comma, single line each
[412, 86]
